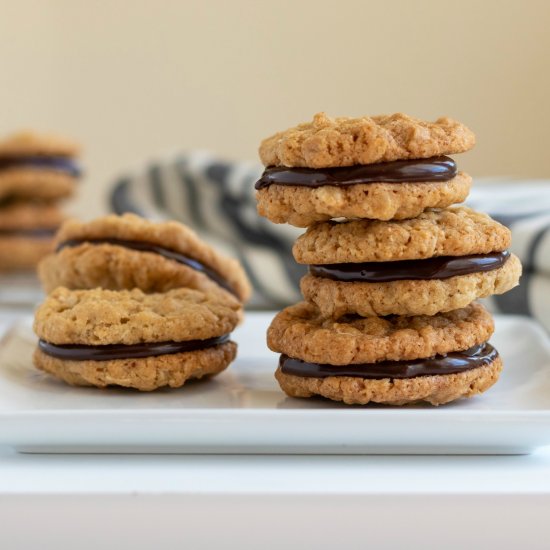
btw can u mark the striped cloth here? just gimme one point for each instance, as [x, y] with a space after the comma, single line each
[216, 198]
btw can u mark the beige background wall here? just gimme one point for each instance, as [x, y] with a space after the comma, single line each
[133, 78]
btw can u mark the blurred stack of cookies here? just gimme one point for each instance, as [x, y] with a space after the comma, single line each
[37, 171]
[394, 270]
[136, 304]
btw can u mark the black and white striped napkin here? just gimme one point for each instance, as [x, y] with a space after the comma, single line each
[216, 198]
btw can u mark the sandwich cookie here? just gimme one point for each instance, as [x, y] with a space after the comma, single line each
[38, 167]
[394, 360]
[128, 338]
[124, 252]
[440, 261]
[382, 167]
[27, 233]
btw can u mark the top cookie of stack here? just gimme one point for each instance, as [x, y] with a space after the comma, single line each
[381, 167]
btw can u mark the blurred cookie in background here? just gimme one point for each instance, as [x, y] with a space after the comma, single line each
[35, 166]
[27, 233]
[37, 171]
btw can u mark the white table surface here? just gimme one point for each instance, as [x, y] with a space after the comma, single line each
[198, 501]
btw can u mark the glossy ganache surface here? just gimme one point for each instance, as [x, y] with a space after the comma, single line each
[442, 267]
[451, 363]
[77, 352]
[434, 169]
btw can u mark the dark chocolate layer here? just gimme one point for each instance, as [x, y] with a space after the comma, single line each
[164, 252]
[400, 171]
[75, 352]
[442, 267]
[31, 233]
[62, 164]
[452, 363]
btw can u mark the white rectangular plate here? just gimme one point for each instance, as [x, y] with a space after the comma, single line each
[244, 411]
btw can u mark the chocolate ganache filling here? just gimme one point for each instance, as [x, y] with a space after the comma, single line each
[44, 233]
[442, 267]
[61, 164]
[451, 363]
[77, 352]
[400, 171]
[156, 249]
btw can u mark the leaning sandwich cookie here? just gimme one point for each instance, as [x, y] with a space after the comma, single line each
[125, 252]
[127, 338]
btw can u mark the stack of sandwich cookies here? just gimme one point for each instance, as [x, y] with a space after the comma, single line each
[125, 252]
[36, 172]
[137, 304]
[393, 271]
[135, 340]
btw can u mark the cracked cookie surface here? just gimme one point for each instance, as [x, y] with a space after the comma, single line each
[458, 231]
[301, 331]
[332, 142]
[100, 317]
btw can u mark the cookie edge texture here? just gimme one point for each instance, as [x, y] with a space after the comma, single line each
[409, 297]
[331, 142]
[436, 390]
[145, 374]
[305, 206]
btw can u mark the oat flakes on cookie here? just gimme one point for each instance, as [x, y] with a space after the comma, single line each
[393, 361]
[37, 166]
[128, 338]
[124, 252]
[440, 261]
[381, 167]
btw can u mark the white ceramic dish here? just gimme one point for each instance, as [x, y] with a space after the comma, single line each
[244, 411]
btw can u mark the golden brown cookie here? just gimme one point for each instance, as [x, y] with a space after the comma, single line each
[303, 206]
[33, 184]
[440, 261]
[127, 338]
[122, 252]
[301, 331]
[330, 142]
[458, 231]
[24, 252]
[435, 389]
[26, 234]
[393, 360]
[29, 143]
[408, 297]
[145, 374]
[29, 216]
[37, 167]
